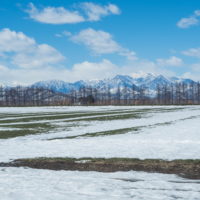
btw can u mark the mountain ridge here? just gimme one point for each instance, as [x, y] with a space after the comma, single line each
[149, 81]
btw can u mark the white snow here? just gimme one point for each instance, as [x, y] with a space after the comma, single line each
[31, 184]
[156, 139]
[61, 109]
[149, 119]
[166, 134]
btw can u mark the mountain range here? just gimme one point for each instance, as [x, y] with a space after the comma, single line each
[149, 81]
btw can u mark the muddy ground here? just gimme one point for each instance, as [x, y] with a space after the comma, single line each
[184, 168]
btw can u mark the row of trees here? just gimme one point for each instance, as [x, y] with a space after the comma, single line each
[174, 94]
[27, 96]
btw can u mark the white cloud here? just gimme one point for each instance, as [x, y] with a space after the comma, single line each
[112, 8]
[94, 12]
[192, 75]
[11, 41]
[130, 55]
[85, 70]
[172, 61]
[24, 52]
[197, 12]
[42, 55]
[193, 72]
[81, 71]
[24, 76]
[189, 21]
[59, 15]
[193, 52]
[64, 33]
[3, 68]
[106, 69]
[53, 15]
[93, 70]
[196, 67]
[101, 42]
[28, 62]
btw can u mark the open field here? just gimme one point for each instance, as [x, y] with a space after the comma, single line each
[25, 183]
[149, 133]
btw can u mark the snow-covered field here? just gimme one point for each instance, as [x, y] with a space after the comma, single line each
[167, 132]
[31, 184]
[148, 132]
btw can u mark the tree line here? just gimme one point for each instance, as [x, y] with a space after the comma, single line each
[165, 94]
[31, 96]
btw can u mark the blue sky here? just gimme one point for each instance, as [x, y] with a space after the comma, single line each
[72, 40]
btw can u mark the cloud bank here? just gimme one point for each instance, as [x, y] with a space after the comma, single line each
[24, 52]
[86, 11]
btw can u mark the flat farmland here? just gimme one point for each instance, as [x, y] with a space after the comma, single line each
[157, 138]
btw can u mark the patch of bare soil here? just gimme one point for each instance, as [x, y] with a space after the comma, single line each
[184, 168]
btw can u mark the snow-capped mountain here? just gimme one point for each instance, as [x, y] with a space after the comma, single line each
[149, 81]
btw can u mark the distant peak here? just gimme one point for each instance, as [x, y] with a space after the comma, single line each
[160, 77]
